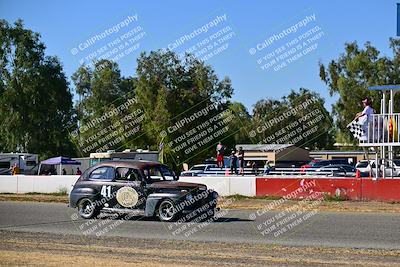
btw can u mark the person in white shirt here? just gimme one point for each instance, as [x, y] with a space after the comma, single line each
[365, 116]
[368, 110]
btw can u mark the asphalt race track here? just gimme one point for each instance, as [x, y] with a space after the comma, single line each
[330, 229]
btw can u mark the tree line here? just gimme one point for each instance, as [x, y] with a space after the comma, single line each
[38, 113]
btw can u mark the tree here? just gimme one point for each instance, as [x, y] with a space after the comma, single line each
[102, 90]
[299, 118]
[241, 124]
[169, 89]
[351, 73]
[35, 102]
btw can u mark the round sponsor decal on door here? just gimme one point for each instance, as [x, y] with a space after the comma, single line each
[127, 197]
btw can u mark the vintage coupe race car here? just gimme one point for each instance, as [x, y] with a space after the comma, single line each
[145, 188]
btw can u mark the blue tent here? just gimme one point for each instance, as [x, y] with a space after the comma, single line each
[58, 161]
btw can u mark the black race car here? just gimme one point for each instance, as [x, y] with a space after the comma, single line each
[145, 188]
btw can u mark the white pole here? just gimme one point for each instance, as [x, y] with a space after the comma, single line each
[391, 113]
[383, 148]
[376, 166]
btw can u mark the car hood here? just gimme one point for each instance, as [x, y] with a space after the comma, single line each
[177, 185]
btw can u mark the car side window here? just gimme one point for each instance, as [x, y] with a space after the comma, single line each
[102, 173]
[127, 174]
[152, 174]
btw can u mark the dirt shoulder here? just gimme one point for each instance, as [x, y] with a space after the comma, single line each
[327, 205]
[39, 249]
[239, 202]
[35, 197]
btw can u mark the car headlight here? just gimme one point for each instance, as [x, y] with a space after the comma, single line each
[189, 197]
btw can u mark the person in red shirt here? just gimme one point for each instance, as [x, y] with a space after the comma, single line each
[220, 155]
[78, 171]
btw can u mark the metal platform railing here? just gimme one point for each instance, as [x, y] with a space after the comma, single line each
[382, 130]
[321, 172]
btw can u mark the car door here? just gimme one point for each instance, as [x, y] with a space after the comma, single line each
[101, 180]
[127, 189]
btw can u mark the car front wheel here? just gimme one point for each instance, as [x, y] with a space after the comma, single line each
[167, 211]
[87, 208]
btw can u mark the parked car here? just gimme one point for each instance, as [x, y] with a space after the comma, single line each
[144, 187]
[339, 170]
[321, 163]
[199, 169]
[365, 167]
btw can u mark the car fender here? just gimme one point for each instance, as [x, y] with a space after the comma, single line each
[79, 193]
[154, 199]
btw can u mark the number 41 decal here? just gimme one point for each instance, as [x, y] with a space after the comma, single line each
[106, 191]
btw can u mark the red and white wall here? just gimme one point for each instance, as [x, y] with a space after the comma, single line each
[348, 188]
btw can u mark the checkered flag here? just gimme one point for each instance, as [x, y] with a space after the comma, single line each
[357, 130]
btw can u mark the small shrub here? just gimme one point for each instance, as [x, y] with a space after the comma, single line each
[62, 191]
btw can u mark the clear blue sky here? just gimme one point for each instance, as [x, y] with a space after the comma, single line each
[64, 25]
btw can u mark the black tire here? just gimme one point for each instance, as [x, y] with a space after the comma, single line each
[87, 209]
[166, 211]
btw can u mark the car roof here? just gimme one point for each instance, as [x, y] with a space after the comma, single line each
[138, 164]
[337, 165]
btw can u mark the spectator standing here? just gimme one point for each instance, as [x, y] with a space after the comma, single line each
[365, 116]
[267, 167]
[64, 172]
[367, 111]
[220, 155]
[233, 162]
[15, 169]
[52, 171]
[254, 168]
[241, 160]
[78, 171]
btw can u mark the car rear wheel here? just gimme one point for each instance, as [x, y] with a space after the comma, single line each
[167, 211]
[87, 208]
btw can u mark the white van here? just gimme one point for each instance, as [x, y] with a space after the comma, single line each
[363, 166]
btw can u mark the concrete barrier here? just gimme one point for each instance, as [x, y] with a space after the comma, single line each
[34, 183]
[219, 183]
[8, 184]
[245, 186]
[349, 188]
[226, 185]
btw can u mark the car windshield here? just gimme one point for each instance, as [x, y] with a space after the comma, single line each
[396, 162]
[319, 164]
[159, 173]
[362, 164]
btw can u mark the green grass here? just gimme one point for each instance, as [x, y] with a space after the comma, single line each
[59, 193]
[327, 197]
[334, 198]
[241, 197]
